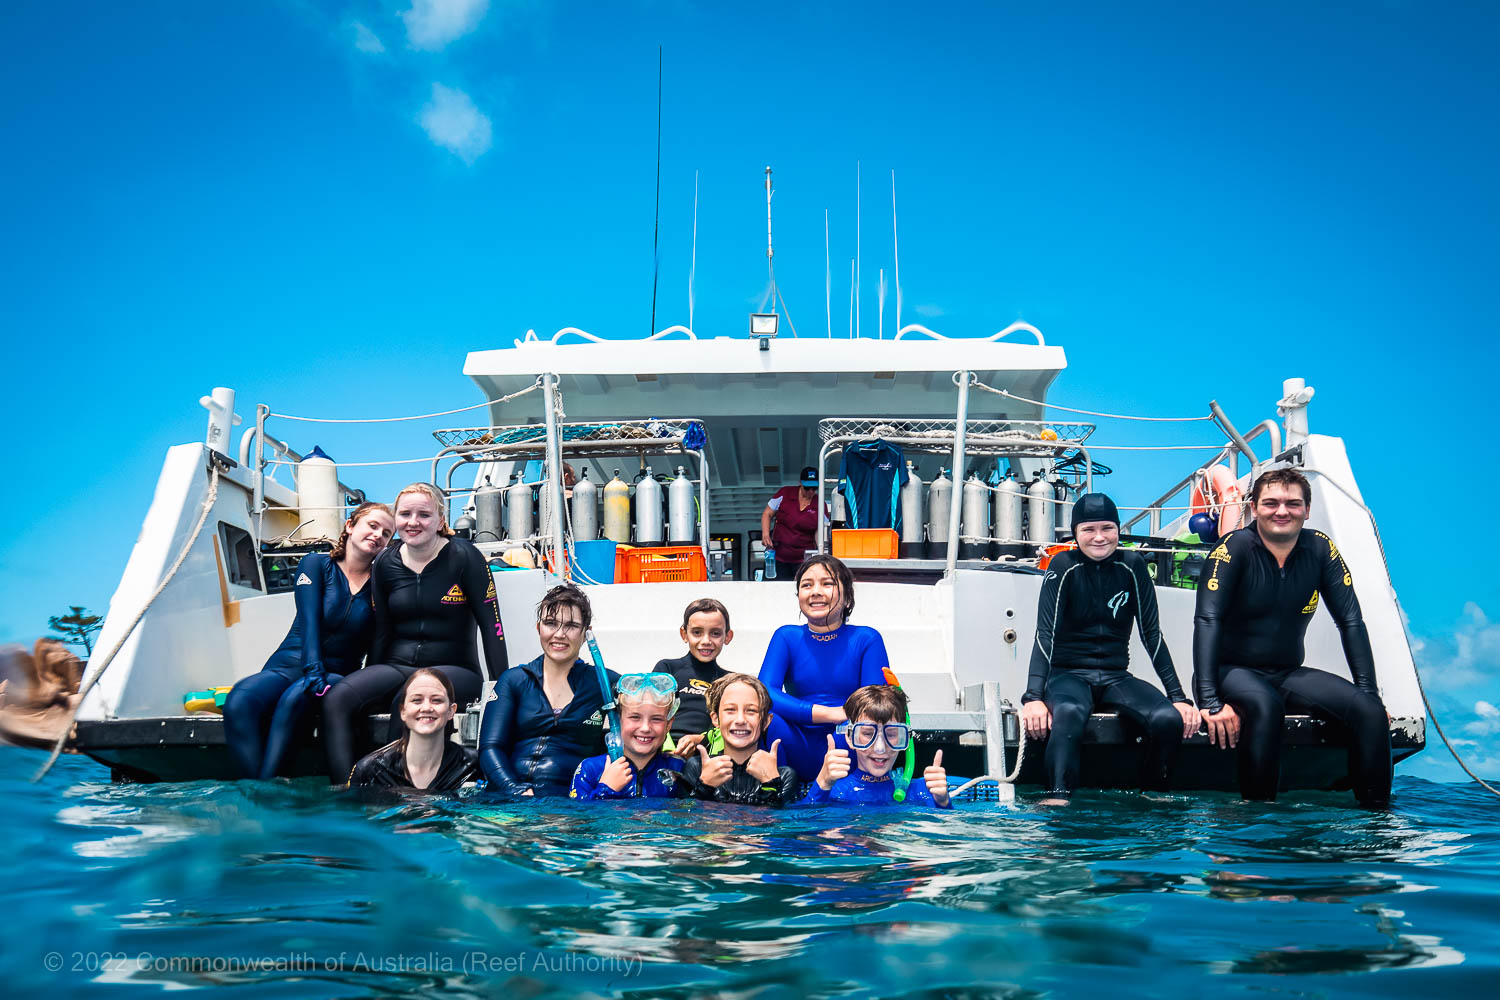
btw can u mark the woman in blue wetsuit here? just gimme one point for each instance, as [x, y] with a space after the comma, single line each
[430, 590]
[330, 635]
[812, 669]
[545, 717]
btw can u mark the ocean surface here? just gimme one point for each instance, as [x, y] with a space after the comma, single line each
[288, 889]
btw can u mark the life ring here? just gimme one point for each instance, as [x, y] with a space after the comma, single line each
[1216, 491]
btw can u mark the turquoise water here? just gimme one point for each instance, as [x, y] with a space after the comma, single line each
[291, 891]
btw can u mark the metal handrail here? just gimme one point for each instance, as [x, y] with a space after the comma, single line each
[1153, 509]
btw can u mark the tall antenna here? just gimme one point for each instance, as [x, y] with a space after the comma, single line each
[770, 265]
[856, 248]
[693, 266]
[827, 277]
[880, 330]
[656, 231]
[896, 247]
[851, 298]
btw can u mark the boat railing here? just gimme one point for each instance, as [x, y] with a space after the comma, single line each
[1229, 454]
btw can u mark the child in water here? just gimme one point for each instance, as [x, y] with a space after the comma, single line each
[647, 703]
[878, 736]
[705, 629]
[740, 708]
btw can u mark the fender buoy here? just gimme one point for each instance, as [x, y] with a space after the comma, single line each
[1216, 491]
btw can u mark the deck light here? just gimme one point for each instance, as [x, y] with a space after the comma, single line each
[763, 328]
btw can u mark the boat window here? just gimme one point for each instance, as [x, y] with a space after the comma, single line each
[239, 556]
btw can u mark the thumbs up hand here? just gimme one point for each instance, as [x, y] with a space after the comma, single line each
[937, 780]
[714, 770]
[762, 764]
[835, 765]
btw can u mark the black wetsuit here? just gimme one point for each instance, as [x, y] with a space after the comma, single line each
[386, 768]
[329, 638]
[743, 788]
[1248, 650]
[524, 743]
[693, 679]
[422, 619]
[1081, 660]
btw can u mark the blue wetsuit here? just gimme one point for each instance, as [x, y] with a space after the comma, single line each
[860, 789]
[330, 635]
[657, 780]
[524, 743]
[803, 668]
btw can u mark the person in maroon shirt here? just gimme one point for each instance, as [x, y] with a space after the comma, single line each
[794, 511]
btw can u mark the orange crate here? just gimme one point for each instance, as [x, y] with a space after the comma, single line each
[663, 564]
[865, 543]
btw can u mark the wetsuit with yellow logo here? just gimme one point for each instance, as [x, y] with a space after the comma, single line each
[693, 678]
[424, 619]
[1248, 648]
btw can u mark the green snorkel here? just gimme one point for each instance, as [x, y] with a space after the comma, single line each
[609, 709]
[903, 778]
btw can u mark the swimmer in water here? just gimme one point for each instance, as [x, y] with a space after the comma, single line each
[647, 703]
[425, 758]
[743, 771]
[878, 736]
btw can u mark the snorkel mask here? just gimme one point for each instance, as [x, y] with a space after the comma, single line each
[657, 688]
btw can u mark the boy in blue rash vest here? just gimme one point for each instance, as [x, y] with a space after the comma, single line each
[811, 670]
[647, 703]
[878, 736]
[329, 637]
[1091, 599]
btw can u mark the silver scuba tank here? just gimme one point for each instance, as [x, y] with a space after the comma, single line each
[585, 508]
[974, 519]
[518, 514]
[1008, 503]
[912, 496]
[682, 519]
[489, 502]
[648, 526]
[939, 508]
[1039, 513]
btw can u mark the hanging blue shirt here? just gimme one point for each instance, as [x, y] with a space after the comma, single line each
[874, 473]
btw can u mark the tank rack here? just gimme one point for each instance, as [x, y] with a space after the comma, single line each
[583, 440]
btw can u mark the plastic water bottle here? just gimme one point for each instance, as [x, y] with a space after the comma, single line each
[770, 565]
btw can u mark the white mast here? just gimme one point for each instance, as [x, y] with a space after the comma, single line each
[827, 278]
[896, 248]
[856, 248]
[693, 266]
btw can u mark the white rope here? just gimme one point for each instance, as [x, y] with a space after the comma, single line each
[88, 685]
[1088, 413]
[1008, 779]
[1155, 447]
[421, 416]
[361, 465]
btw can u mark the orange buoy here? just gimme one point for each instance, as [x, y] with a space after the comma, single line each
[1216, 491]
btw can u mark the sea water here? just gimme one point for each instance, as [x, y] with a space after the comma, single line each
[289, 889]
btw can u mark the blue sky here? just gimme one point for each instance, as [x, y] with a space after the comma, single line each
[327, 205]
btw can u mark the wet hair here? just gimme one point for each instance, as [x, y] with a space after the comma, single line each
[716, 695]
[439, 501]
[841, 575]
[565, 595]
[878, 703]
[1281, 477]
[706, 606]
[442, 679]
[341, 545]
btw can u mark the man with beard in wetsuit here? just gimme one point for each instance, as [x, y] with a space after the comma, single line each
[1263, 584]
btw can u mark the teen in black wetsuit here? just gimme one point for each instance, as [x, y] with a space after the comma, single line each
[705, 629]
[1090, 599]
[430, 591]
[329, 637]
[425, 758]
[1263, 585]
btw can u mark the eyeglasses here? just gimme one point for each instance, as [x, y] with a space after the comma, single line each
[556, 626]
[1291, 505]
[861, 735]
[655, 687]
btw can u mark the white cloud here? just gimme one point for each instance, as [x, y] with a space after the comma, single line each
[366, 40]
[1488, 721]
[431, 24]
[928, 311]
[452, 121]
[1461, 672]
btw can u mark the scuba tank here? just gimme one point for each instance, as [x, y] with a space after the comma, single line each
[648, 526]
[911, 515]
[489, 502]
[682, 515]
[1039, 513]
[975, 519]
[320, 504]
[1008, 497]
[939, 508]
[617, 510]
[1064, 519]
[518, 522]
[585, 509]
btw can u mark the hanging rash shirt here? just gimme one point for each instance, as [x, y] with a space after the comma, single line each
[1254, 613]
[693, 679]
[1084, 617]
[874, 473]
[427, 619]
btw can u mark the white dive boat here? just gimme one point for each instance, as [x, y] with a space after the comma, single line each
[956, 609]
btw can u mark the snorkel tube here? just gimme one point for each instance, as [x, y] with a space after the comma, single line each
[611, 711]
[903, 778]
